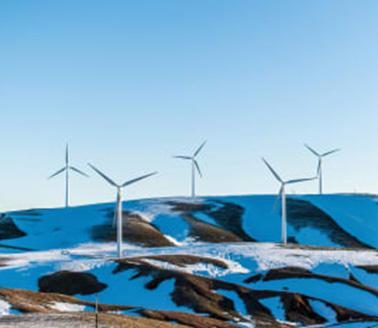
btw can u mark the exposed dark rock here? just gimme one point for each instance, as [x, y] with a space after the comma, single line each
[188, 207]
[71, 283]
[8, 229]
[369, 268]
[292, 240]
[297, 272]
[298, 309]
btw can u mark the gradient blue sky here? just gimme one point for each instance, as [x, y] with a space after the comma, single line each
[130, 83]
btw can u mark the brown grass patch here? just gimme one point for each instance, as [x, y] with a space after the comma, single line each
[35, 302]
[200, 294]
[297, 272]
[209, 233]
[135, 230]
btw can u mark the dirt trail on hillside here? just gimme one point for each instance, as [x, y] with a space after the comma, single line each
[81, 320]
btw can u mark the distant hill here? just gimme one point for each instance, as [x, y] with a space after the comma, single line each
[212, 262]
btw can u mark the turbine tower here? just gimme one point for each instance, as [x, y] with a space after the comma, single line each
[119, 209]
[282, 194]
[67, 168]
[320, 164]
[195, 166]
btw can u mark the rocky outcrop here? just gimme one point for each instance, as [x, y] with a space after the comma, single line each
[70, 283]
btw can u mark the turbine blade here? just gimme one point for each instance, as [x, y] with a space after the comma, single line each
[331, 152]
[103, 175]
[312, 150]
[198, 168]
[138, 179]
[299, 180]
[182, 157]
[78, 171]
[272, 170]
[199, 149]
[57, 173]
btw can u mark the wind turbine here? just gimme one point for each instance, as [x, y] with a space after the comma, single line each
[119, 210]
[67, 168]
[320, 163]
[195, 166]
[282, 194]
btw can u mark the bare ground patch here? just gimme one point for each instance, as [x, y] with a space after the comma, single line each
[81, 320]
[135, 230]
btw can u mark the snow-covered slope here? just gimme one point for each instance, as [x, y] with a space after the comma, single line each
[336, 285]
[328, 220]
[212, 262]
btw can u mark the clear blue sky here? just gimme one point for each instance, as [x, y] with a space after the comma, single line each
[131, 83]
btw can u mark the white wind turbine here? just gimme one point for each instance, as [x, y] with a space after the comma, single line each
[119, 209]
[320, 163]
[67, 168]
[195, 166]
[282, 194]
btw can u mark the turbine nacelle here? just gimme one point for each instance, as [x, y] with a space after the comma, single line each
[120, 186]
[67, 168]
[282, 195]
[195, 165]
[320, 157]
[285, 182]
[119, 211]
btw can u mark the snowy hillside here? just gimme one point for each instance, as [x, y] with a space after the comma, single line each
[208, 263]
[329, 220]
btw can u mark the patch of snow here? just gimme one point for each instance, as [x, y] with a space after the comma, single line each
[275, 306]
[323, 310]
[67, 307]
[173, 240]
[357, 214]
[265, 255]
[250, 324]
[206, 269]
[4, 308]
[311, 236]
[366, 278]
[238, 303]
[80, 265]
